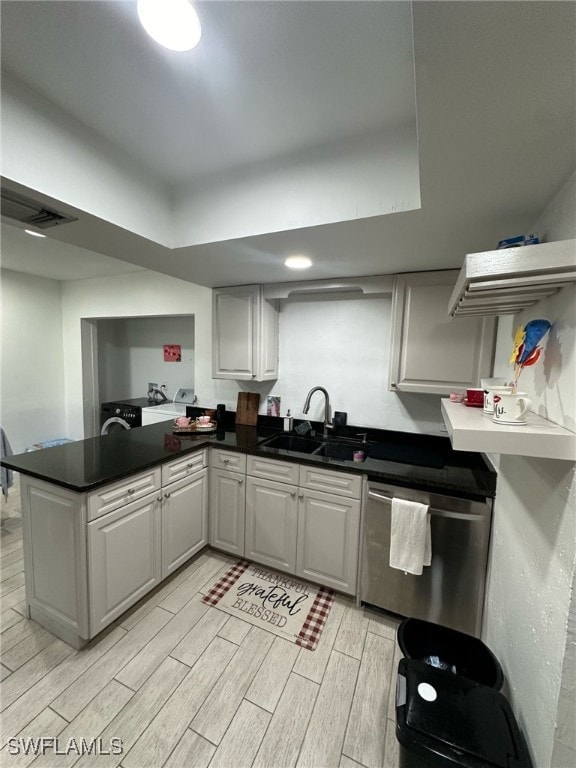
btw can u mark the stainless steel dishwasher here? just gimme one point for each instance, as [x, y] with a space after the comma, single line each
[451, 590]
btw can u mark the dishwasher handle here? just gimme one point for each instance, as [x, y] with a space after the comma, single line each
[433, 511]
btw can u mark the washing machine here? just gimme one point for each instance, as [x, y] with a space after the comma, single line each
[120, 415]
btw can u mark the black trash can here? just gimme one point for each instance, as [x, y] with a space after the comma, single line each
[445, 720]
[450, 650]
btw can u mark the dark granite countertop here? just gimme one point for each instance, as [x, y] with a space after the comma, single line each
[405, 459]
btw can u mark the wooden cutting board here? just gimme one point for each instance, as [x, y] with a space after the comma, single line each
[247, 408]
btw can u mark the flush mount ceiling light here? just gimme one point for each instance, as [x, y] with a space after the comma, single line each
[36, 234]
[171, 23]
[298, 262]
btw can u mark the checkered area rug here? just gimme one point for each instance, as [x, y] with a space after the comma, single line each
[273, 601]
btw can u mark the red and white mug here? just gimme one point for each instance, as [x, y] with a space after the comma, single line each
[489, 395]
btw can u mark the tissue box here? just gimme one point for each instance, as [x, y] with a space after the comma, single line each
[514, 242]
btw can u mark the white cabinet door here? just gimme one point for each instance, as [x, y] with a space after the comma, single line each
[430, 351]
[227, 510]
[124, 559]
[245, 334]
[328, 530]
[184, 520]
[271, 523]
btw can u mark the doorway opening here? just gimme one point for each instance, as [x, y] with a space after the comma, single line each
[121, 356]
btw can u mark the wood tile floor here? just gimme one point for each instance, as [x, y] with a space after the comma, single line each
[184, 685]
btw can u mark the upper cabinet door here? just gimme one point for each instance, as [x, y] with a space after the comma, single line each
[430, 351]
[245, 334]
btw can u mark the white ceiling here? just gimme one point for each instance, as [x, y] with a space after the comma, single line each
[267, 79]
[495, 95]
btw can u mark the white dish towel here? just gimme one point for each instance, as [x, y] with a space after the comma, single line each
[410, 538]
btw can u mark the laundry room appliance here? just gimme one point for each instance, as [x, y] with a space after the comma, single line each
[120, 415]
[169, 410]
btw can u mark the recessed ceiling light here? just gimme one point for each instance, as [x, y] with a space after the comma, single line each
[36, 234]
[171, 23]
[298, 262]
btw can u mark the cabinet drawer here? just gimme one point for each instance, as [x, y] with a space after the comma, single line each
[271, 469]
[235, 462]
[176, 470]
[329, 481]
[129, 489]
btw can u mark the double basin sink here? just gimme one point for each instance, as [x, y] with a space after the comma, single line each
[342, 449]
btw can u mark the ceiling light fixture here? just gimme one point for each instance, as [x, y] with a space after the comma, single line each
[36, 234]
[171, 23]
[298, 262]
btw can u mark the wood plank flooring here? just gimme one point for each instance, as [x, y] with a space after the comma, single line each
[184, 685]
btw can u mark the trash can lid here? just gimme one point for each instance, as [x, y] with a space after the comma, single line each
[449, 649]
[459, 721]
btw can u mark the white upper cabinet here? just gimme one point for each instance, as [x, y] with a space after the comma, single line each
[245, 334]
[430, 351]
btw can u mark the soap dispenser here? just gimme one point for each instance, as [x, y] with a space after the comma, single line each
[288, 421]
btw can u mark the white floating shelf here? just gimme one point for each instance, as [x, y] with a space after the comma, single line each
[511, 279]
[472, 430]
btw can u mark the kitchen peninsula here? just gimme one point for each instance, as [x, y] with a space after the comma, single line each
[108, 518]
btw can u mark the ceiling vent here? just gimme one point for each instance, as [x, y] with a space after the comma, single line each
[30, 212]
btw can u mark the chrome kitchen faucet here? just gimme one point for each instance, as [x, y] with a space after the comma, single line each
[327, 420]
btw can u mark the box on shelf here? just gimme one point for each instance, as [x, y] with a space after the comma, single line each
[514, 242]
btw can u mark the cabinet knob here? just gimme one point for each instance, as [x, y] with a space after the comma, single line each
[189, 465]
[301, 496]
[226, 461]
[166, 495]
[130, 491]
[240, 482]
[159, 498]
[293, 494]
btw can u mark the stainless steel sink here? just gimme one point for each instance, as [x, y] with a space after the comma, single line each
[292, 443]
[333, 449]
[342, 450]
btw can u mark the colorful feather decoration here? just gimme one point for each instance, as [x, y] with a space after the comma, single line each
[526, 351]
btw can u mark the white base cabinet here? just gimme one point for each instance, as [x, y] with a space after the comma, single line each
[271, 523]
[55, 558]
[328, 531]
[124, 558]
[184, 520]
[90, 557]
[227, 511]
[304, 520]
[227, 500]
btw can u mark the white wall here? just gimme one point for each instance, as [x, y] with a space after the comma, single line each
[342, 344]
[379, 175]
[534, 535]
[141, 294]
[32, 366]
[130, 355]
[44, 149]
